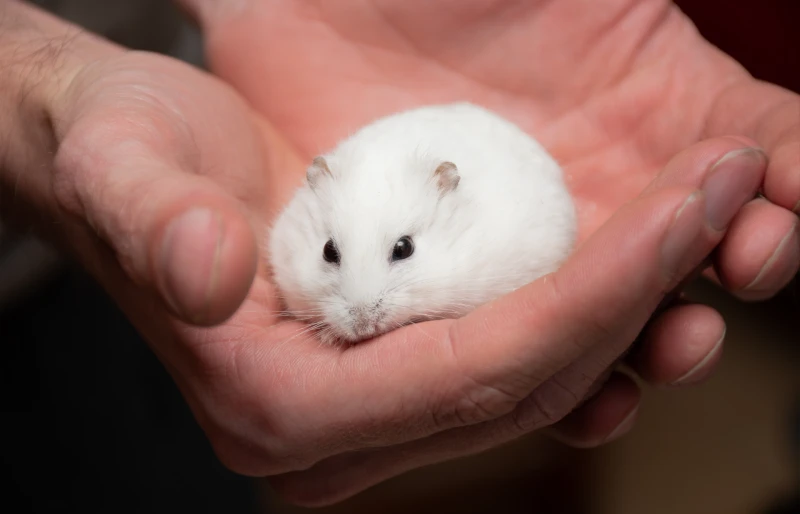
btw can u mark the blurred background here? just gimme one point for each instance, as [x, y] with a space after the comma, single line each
[91, 421]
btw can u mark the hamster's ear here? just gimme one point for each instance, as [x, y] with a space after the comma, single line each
[447, 177]
[318, 169]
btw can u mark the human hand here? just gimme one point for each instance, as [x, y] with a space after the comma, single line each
[614, 89]
[133, 142]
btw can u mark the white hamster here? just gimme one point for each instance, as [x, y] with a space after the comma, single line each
[425, 214]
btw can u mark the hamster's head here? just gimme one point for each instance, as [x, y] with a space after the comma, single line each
[351, 252]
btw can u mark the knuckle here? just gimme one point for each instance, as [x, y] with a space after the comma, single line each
[473, 400]
[482, 402]
[546, 406]
[602, 323]
[607, 328]
[79, 166]
[67, 171]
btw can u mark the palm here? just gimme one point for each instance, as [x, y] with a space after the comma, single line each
[612, 94]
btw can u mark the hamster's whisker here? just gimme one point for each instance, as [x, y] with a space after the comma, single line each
[303, 331]
[300, 315]
[287, 322]
[329, 338]
[285, 316]
[289, 313]
[295, 314]
[315, 309]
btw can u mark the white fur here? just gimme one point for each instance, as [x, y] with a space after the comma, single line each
[509, 221]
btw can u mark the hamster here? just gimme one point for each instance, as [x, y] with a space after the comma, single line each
[424, 214]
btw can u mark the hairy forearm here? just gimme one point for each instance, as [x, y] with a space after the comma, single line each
[39, 56]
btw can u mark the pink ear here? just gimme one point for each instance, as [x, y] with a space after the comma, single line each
[447, 177]
[318, 168]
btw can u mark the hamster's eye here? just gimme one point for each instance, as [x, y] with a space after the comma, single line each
[330, 253]
[403, 249]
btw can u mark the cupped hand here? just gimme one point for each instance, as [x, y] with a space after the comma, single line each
[613, 88]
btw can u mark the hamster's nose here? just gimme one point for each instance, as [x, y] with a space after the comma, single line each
[365, 309]
[366, 318]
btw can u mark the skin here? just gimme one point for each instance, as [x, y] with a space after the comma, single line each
[109, 148]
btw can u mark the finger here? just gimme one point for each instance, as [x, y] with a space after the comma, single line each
[606, 417]
[597, 307]
[173, 232]
[680, 347]
[610, 411]
[760, 252]
[698, 165]
[771, 116]
[481, 366]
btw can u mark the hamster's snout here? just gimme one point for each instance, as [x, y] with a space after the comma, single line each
[366, 318]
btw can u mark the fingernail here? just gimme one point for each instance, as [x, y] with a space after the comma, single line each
[681, 236]
[731, 184]
[624, 427]
[189, 262]
[789, 244]
[698, 371]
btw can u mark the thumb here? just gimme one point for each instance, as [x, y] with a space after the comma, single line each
[172, 232]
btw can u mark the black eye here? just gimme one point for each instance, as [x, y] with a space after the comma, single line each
[330, 253]
[403, 249]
